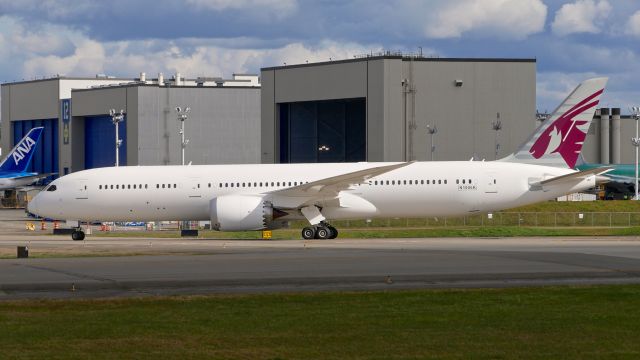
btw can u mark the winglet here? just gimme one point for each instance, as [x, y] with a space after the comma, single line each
[20, 156]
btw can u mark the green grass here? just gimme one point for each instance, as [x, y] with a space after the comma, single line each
[468, 231]
[528, 323]
[581, 206]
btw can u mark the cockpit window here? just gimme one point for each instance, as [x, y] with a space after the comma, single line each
[51, 188]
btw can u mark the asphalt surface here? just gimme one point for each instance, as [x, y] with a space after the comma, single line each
[179, 266]
[122, 267]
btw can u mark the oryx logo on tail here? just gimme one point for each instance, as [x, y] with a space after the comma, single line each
[559, 139]
[566, 134]
[20, 156]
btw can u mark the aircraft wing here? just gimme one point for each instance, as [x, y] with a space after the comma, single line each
[574, 176]
[35, 177]
[327, 188]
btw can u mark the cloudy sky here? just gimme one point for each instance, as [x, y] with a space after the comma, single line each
[571, 40]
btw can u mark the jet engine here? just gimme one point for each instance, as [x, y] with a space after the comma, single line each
[244, 212]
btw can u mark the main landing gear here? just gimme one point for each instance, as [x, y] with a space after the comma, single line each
[321, 231]
[77, 234]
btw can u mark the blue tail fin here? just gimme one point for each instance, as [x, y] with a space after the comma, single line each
[20, 156]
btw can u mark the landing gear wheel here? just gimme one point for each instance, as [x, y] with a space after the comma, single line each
[77, 235]
[308, 233]
[333, 231]
[323, 233]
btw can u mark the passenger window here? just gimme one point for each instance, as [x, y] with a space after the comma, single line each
[100, 187]
[157, 186]
[422, 182]
[494, 181]
[469, 181]
[117, 186]
[445, 181]
[237, 184]
[439, 182]
[231, 184]
[145, 186]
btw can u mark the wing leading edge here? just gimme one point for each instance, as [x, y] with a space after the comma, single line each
[327, 188]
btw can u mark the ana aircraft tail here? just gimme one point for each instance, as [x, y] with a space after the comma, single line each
[20, 156]
[558, 141]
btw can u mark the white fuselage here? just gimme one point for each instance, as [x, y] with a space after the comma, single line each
[154, 193]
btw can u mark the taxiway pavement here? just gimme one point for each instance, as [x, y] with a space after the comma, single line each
[200, 266]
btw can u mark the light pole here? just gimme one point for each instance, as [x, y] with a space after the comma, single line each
[117, 118]
[432, 130]
[635, 113]
[496, 125]
[182, 116]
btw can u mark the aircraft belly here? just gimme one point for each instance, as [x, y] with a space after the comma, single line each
[141, 208]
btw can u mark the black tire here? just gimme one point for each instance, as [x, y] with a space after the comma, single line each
[308, 233]
[334, 232]
[323, 233]
[77, 235]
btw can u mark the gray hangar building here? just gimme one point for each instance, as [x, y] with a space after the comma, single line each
[222, 126]
[390, 107]
[370, 108]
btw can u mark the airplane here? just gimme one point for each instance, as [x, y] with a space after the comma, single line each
[619, 172]
[267, 196]
[13, 168]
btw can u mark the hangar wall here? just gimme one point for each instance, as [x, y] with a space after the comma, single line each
[405, 94]
[222, 126]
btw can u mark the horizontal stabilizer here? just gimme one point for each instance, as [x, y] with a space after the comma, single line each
[576, 176]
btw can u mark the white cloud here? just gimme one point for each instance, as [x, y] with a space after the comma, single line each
[503, 18]
[87, 59]
[582, 16]
[633, 25]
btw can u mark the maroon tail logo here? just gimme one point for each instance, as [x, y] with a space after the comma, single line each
[564, 136]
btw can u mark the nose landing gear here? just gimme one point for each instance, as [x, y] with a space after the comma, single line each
[77, 234]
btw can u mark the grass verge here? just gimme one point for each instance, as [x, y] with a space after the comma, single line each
[551, 322]
[467, 231]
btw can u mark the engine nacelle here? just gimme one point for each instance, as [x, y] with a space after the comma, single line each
[243, 212]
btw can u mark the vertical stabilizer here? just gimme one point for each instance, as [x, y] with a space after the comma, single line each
[558, 141]
[20, 156]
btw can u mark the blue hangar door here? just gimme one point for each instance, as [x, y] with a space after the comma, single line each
[45, 158]
[100, 142]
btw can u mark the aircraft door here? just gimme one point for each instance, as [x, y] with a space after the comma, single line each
[81, 189]
[490, 183]
[194, 187]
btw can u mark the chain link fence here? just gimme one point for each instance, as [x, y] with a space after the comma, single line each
[542, 219]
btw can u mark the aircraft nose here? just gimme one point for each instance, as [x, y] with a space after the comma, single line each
[32, 206]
